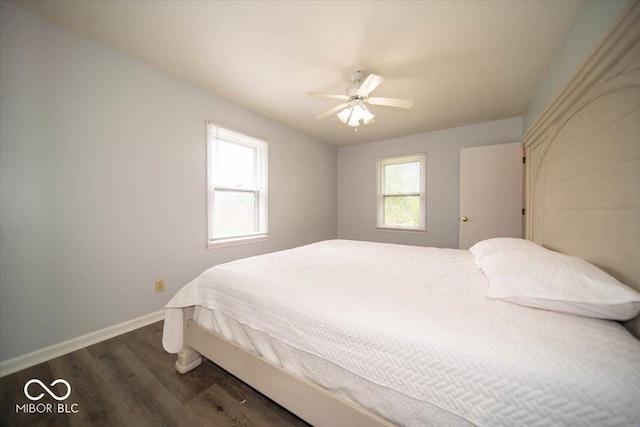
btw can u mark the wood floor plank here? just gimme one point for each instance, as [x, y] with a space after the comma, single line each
[133, 387]
[156, 395]
[130, 380]
[97, 395]
[145, 346]
[216, 406]
[255, 402]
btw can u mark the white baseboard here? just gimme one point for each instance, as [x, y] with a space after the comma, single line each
[35, 357]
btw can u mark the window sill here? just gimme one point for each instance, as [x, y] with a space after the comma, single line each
[402, 230]
[232, 241]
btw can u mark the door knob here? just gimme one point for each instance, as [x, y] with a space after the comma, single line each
[464, 219]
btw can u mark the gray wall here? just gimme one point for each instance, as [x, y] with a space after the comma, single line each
[588, 29]
[103, 184]
[357, 181]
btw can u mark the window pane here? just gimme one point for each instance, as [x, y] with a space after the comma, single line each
[402, 210]
[236, 165]
[402, 178]
[234, 213]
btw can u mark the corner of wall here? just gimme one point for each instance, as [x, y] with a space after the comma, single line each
[589, 27]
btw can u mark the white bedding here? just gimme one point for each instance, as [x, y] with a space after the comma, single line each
[397, 407]
[416, 321]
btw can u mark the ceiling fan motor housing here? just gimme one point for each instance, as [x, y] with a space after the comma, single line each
[356, 77]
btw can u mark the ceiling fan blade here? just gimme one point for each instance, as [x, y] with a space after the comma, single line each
[391, 102]
[328, 95]
[332, 111]
[371, 82]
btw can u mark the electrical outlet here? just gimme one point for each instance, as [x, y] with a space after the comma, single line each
[159, 285]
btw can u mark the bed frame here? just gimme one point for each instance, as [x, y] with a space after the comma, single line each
[310, 402]
[582, 199]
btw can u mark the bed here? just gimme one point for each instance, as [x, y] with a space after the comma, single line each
[369, 334]
[409, 333]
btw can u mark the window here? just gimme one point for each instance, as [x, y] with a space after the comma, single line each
[401, 193]
[237, 187]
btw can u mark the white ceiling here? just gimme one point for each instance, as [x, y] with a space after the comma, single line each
[462, 62]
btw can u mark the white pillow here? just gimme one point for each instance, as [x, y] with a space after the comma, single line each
[553, 281]
[497, 244]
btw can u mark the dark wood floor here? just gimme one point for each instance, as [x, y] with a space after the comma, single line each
[130, 381]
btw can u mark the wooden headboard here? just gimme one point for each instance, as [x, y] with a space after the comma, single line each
[583, 160]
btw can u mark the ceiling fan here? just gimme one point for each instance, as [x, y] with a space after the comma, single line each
[353, 110]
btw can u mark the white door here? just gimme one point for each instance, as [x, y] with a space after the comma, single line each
[490, 193]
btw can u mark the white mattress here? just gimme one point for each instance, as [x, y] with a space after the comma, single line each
[416, 321]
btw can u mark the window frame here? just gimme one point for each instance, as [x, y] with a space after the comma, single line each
[381, 195]
[260, 189]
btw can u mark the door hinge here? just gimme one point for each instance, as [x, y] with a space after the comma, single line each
[522, 211]
[524, 160]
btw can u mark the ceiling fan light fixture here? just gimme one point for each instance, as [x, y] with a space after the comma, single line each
[344, 115]
[367, 115]
[353, 115]
[357, 114]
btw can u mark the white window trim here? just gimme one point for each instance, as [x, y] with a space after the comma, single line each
[380, 163]
[262, 188]
[232, 241]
